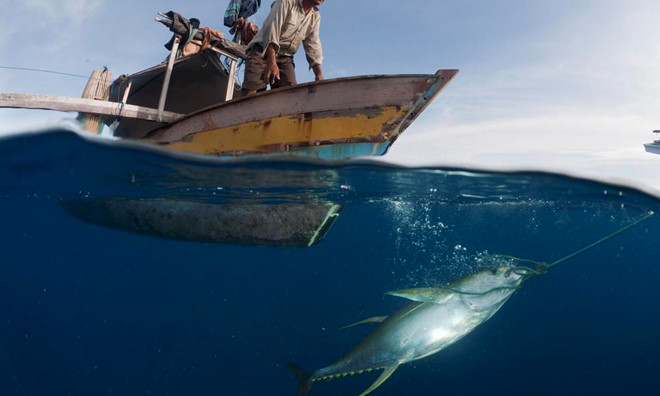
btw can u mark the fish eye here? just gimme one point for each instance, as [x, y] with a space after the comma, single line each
[493, 270]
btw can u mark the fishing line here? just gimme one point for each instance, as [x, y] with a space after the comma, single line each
[541, 267]
[42, 71]
[615, 233]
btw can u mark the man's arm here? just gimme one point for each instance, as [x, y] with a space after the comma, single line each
[272, 29]
[314, 51]
[271, 64]
[318, 72]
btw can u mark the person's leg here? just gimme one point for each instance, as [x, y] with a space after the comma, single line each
[252, 79]
[287, 72]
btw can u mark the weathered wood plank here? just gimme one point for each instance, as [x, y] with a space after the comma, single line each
[64, 103]
[97, 88]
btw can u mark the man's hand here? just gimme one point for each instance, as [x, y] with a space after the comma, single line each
[238, 26]
[248, 31]
[271, 72]
[318, 72]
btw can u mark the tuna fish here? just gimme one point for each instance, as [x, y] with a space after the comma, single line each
[435, 319]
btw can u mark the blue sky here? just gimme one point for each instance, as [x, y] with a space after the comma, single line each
[570, 86]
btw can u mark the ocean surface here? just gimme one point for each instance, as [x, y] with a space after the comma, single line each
[126, 271]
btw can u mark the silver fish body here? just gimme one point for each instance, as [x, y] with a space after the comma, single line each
[437, 318]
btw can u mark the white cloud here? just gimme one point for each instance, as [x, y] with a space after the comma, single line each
[582, 99]
[597, 146]
[55, 22]
[600, 57]
[61, 12]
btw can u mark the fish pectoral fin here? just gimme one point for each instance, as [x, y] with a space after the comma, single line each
[427, 295]
[383, 377]
[375, 319]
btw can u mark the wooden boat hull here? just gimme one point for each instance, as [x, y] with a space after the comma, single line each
[331, 119]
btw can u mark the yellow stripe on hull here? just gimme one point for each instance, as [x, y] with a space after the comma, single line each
[266, 136]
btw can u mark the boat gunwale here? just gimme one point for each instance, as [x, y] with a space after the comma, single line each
[303, 86]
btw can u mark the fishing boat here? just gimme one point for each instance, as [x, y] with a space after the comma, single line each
[655, 146]
[189, 104]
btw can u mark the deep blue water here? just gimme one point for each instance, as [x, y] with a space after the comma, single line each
[91, 310]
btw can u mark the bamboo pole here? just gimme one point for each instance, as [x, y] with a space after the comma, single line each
[97, 88]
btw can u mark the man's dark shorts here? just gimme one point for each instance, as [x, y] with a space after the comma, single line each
[255, 66]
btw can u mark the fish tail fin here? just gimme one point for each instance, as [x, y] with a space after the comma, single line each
[304, 379]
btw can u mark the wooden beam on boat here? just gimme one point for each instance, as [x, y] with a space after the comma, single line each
[97, 88]
[91, 106]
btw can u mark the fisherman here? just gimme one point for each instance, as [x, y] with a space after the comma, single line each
[270, 53]
[236, 18]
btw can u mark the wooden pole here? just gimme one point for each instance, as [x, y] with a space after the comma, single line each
[168, 74]
[97, 88]
[83, 106]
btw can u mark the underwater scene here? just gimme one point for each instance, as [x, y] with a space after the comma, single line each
[131, 271]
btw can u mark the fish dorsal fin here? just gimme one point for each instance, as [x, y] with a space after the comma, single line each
[375, 319]
[427, 294]
[383, 377]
